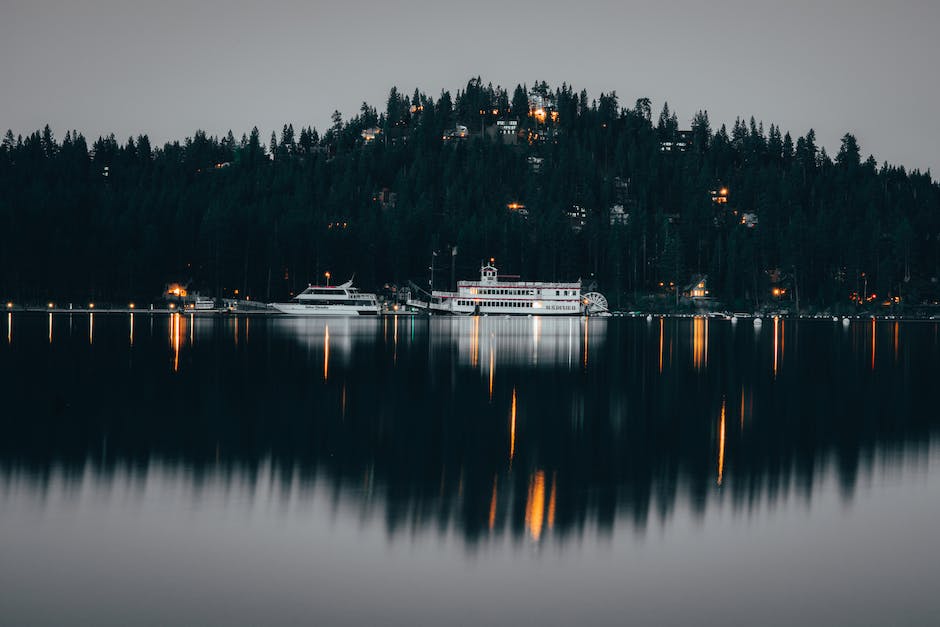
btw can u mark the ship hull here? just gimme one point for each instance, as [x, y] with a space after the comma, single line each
[298, 309]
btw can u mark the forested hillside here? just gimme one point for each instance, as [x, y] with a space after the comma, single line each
[551, 183]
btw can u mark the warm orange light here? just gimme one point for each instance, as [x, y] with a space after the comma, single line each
[551, 502]
[131, 305]
[91, 305]
[9, 305]
[535, 505]
[721, 443]
[492, 370]
[172, 305]
[492, 517]
[512, 428]
[723, 191]
[699, 342]
[326, 352]
[50, 305]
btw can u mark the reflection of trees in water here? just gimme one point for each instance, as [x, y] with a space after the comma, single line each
[489, 425]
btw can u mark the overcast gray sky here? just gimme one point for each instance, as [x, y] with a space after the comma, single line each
[169, 67]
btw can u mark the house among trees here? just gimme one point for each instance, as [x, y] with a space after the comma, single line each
[618, 216]
[458, 132]
[749, 219]
[385, 198]
[577, 217]
[681, 142]
[697, 290]
[369, 134]
[507, 130]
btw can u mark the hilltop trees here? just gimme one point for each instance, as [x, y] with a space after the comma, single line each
[603, 201]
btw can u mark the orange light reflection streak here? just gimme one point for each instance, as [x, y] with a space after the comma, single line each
[721, 443]
[492, 517]
[699, 342]
[492, 365]
[512, 428]
[897, 326]
[586, 319]
[551, 502]
[326, 352]
[662, 323]
[776, 339]
[535, 505]
[176, 342]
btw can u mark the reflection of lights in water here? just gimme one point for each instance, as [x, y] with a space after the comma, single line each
[247, 327]
[343, 402]
[662, 324]
[395, 341]
[326, 352]
[492, 367]
[475, 341]
[91, 328]
[872, 343]
[132, 330]
[50, 328]
[742, 408]
[897, 326]
[536, 333]
[699, 342]
[9, 328]
[176, 342]
[192, 329]
[585, 359]
[512, 427]
[721, 443]
[236, 330]
[535, 505]
[776, 342]
[551, 502]
[492, 518]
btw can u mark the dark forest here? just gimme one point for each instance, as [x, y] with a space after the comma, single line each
[550, 183]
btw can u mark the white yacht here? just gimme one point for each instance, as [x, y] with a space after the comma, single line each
[331, 300]
[490, 296]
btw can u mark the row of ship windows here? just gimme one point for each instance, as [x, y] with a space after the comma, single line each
[336, 301]
[496, 303]
[507, 292]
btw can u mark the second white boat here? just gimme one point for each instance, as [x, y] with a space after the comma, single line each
[331, 300]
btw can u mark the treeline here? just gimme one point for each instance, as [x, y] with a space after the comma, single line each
[602, 201]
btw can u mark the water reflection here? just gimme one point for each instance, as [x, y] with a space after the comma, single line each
[563, 422]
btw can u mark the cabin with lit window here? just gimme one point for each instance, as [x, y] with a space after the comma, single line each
[697, 290]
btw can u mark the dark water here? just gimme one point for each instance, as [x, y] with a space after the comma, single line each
[466, 472]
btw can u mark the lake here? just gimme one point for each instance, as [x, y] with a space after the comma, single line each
[474, 471]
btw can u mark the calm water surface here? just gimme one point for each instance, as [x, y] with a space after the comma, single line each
[159, 470]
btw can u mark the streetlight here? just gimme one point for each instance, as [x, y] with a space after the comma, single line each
[327, 275]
